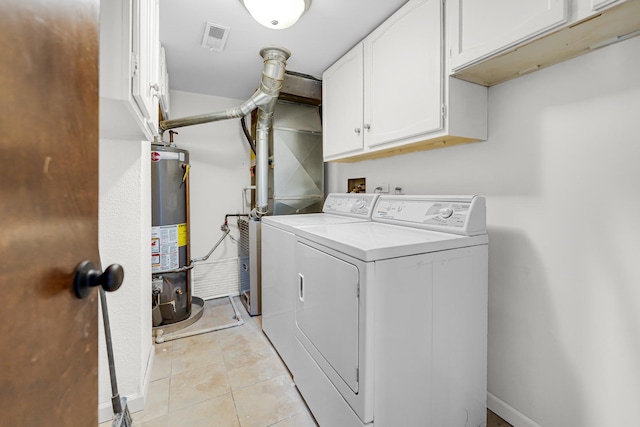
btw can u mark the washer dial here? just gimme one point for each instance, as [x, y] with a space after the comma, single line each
[446, 212]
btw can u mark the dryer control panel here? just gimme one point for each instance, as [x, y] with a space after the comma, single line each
[358, 205]
[464, 215]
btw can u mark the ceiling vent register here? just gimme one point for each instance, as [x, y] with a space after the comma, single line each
[215, 36]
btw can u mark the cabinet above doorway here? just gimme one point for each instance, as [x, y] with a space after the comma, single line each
[133, 75]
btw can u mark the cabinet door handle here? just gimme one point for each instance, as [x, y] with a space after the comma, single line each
[367, 126]
[357, 130]
[300, 287]
[154, 89]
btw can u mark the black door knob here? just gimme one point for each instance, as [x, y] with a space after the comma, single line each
[87, 277]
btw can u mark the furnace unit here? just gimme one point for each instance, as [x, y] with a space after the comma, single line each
[296, 173]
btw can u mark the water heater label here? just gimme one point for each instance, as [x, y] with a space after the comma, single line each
[164, 247]
[156, 156]
[182, 235]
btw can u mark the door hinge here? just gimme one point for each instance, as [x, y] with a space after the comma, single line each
[357, 375]
[444, 110]
[358, 291]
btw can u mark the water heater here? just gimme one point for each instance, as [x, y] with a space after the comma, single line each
[170, 253]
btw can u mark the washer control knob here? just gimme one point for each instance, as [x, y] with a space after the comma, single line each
[446, 212]
[359, 204]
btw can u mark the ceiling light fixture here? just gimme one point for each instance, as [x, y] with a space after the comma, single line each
[276, 14]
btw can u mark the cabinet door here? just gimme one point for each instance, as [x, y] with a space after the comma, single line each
[480, 29]
[342, 105]
[144, 54]
[403, 74]
[155, 85]
[163, 77]
[599, 4]
[128, 58]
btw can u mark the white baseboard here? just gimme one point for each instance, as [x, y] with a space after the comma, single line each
[135, 402]
[508, 413]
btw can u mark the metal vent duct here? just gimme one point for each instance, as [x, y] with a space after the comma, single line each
[264, 99]
[301, 89]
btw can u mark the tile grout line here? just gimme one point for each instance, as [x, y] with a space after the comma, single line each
[170, 379]
[226, 372]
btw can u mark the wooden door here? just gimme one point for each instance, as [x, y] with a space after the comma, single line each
[48, 211]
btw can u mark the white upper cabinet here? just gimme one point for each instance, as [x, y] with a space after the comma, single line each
[129, 69]
[403, 75]
[484, 28]
[599, 4]
[390, 95]
[342, 108]
[163, 76]
[145, 54]
[497, 40]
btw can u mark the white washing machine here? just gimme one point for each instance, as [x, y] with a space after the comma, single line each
[391, 315]
[279, 279]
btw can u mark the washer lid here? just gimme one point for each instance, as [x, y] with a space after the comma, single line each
[338, 208]
[291, 222]
[372, 241]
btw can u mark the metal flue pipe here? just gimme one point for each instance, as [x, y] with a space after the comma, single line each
[264, 99]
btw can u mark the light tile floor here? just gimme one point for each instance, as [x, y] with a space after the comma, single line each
[227, 378]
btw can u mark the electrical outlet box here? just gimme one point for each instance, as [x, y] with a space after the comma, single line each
[357, 185]
[382, 188]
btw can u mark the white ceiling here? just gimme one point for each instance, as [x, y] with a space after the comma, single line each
[324, 33]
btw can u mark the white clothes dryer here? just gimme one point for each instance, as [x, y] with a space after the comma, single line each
[279, 279]
[391, 315]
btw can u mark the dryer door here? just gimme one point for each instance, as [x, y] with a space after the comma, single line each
[327, 312]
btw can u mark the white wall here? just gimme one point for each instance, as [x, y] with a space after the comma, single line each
[220, 160]
[125, 239]
[561, 175]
